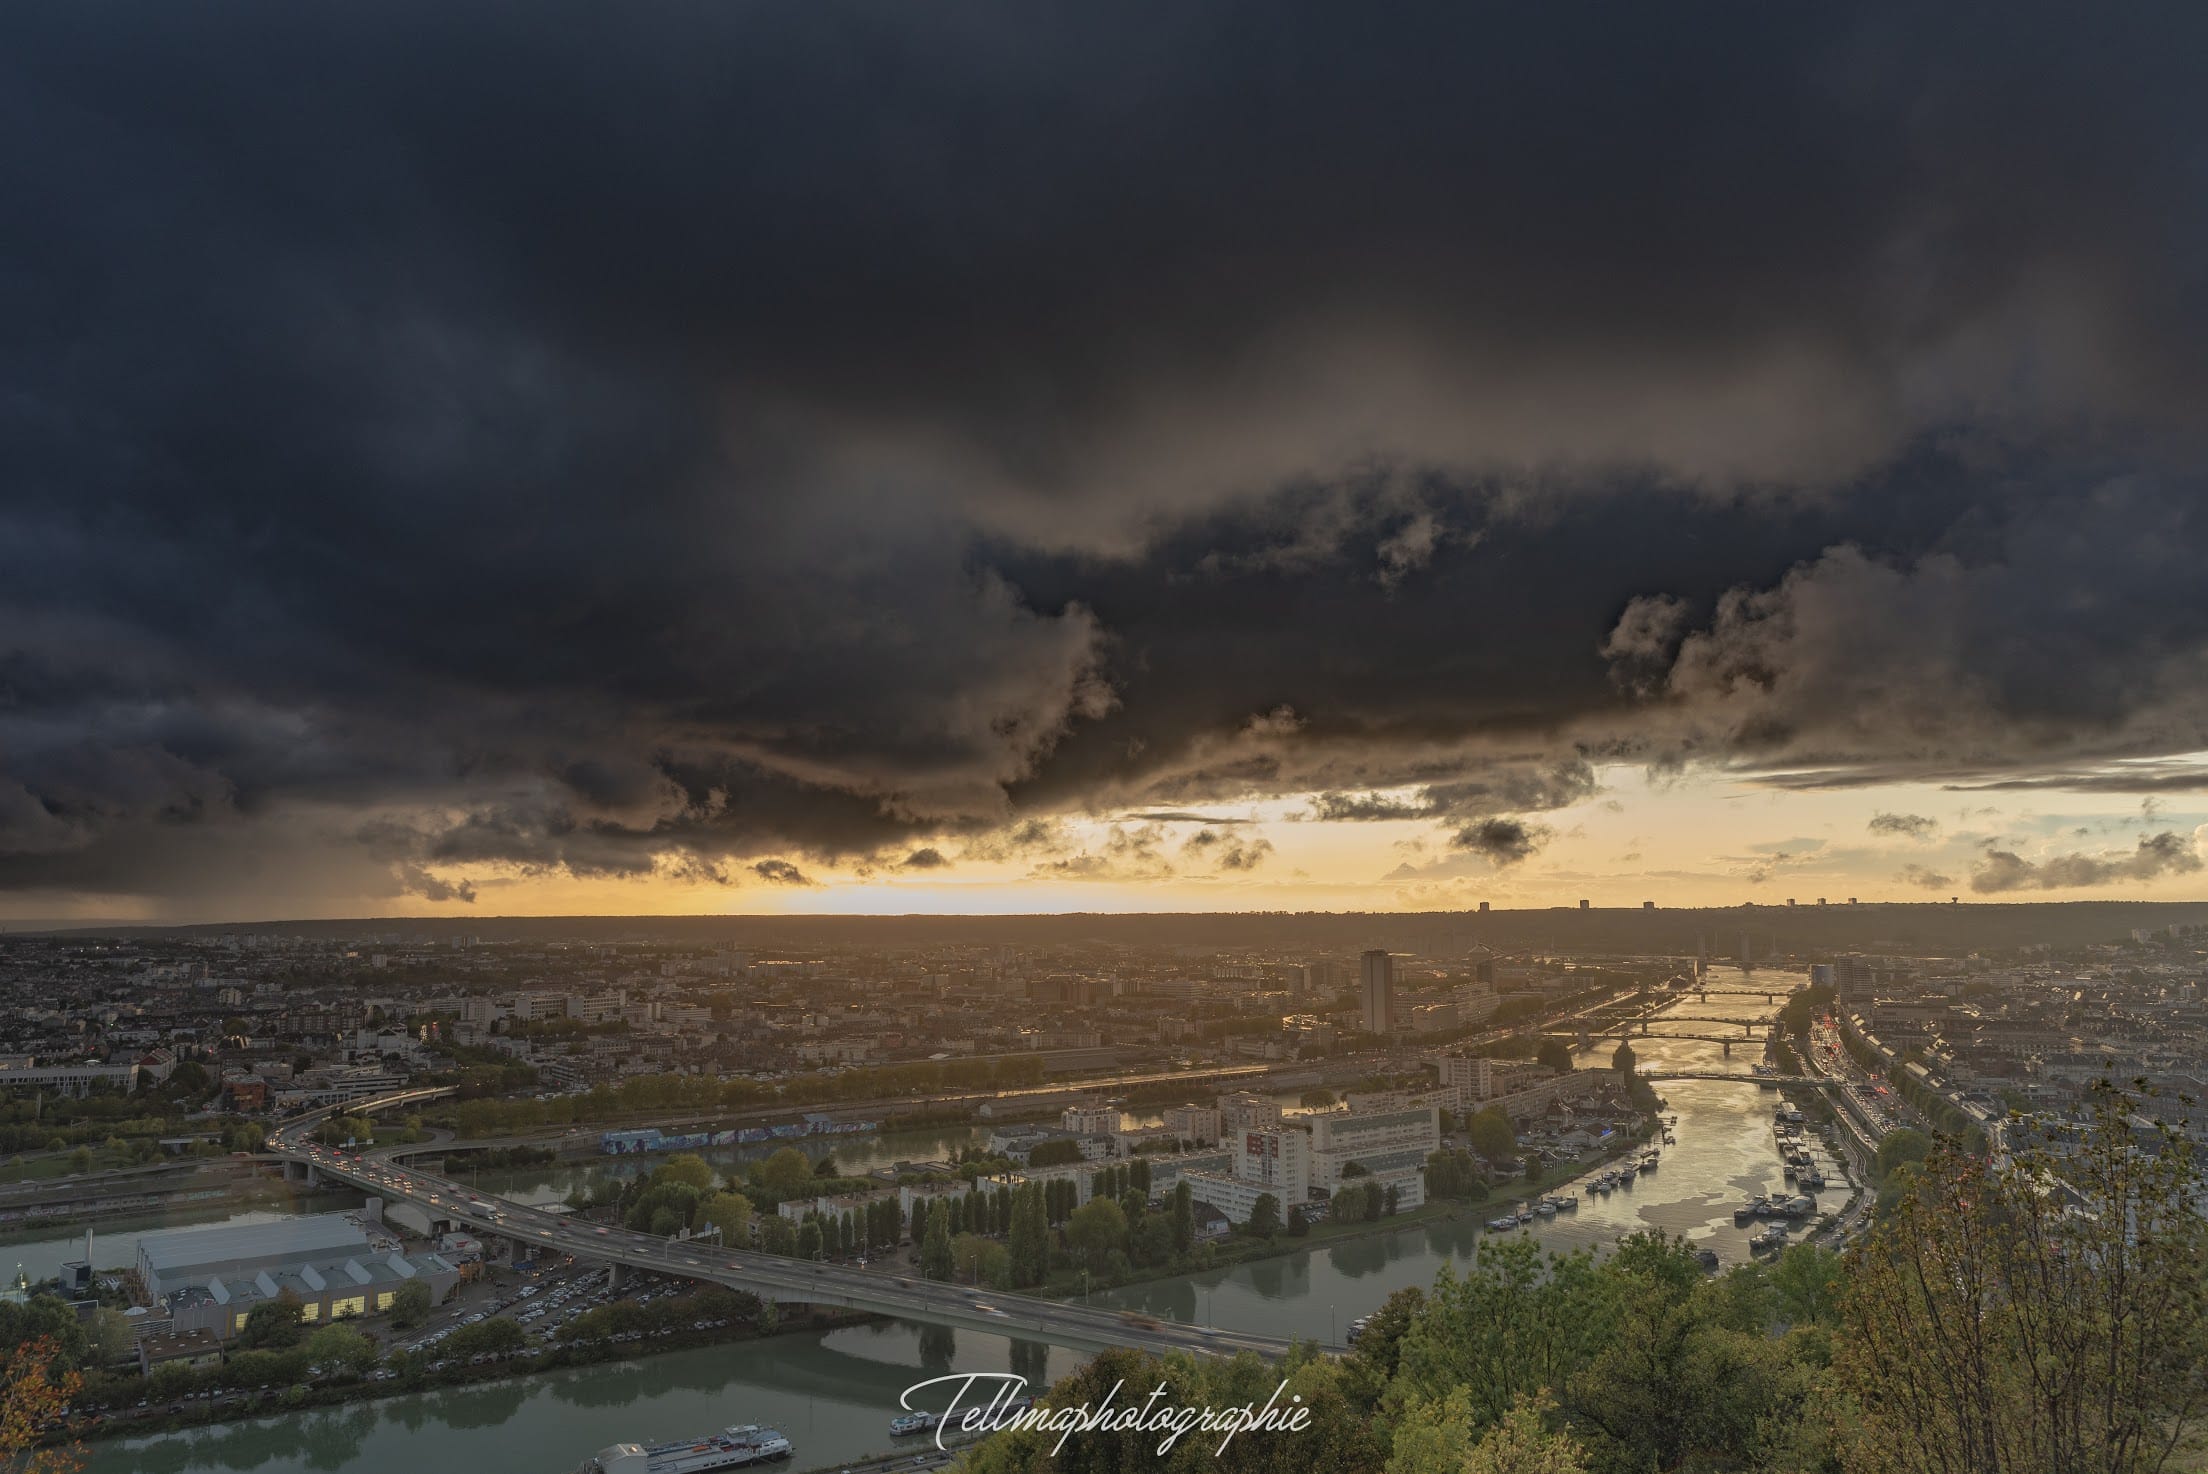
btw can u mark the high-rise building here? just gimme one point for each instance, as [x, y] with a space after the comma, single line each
[1376, 992]
[1852, 982]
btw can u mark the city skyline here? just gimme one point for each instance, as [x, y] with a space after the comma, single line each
[1255, 462]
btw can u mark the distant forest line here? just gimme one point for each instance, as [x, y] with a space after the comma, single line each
[1873, 927]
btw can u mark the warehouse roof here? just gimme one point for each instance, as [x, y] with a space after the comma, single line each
[319, 1233]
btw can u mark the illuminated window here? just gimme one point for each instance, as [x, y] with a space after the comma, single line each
[351, 1305]
[239, 1323]
[383, 1300]
[312, 1310]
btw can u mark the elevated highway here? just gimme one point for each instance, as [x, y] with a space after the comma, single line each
[770, 1277]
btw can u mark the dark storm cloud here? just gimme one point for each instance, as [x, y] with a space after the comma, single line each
[631, 443]
[1501, 841]
[1908, 826]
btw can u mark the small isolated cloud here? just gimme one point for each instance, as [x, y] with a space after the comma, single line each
[1501, 841]
[1245, 856]
[1225, 851]
[924, 859]
[1908, 826]
[1924, 876]
[780, 872]
[2167, 853]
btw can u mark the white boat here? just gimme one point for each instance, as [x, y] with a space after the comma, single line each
[911, 1423]
[731, 1448]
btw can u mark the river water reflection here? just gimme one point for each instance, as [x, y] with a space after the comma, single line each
[833, 1394]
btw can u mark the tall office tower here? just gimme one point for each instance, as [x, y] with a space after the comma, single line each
[1852, 982]
[1377, 992]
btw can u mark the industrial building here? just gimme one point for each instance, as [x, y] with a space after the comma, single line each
[335, 1264]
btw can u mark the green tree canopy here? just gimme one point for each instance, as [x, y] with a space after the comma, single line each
[1491, 1134]
[687, 1168]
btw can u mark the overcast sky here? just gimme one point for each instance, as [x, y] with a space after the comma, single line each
[532, 457]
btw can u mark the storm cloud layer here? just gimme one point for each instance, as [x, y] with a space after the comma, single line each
[724, 441]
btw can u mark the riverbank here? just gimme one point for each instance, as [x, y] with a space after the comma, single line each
[692, 1325]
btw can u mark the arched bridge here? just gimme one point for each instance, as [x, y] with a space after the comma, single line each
[768, 1276]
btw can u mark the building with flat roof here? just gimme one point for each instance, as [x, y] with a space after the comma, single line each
[192, 1256]
[75, 1080]
[334, 1264]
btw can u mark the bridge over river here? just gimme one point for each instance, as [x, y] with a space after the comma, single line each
[768, 1276]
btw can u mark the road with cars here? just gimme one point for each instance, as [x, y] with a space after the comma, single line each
[767, 1276]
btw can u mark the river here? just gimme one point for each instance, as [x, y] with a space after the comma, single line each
[834, 1393]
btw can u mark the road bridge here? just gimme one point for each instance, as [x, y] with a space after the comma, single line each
[1768, 995]
[1640, 1028]
[770, 1277]
[1728, 1075]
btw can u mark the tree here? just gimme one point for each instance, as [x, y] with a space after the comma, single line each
[664, 1208]
[1521, 1445]
[935, 1248]
[1491, 1135]
[1138, 1177]
[34, 1388]
[1453, 1174]
[273, 1325]
[1152, 1239]
[1899, 1148]
[729, 1212]
[826, 1166]
[1806, 1283]
[777, 1235]
[2043, 1313]
[687, 1168]
[1029, 1240]
[811, 1243]
[410, 1305]
[1442, 1436]
[340, 1350]
[980, 1261]
[1095, 1231]
[1622, 1060]
[108, 1337]
[1057, 1152]
[47, 1318]
[1264, 1217]
[1298, 1225]
[173, 1380]
[784, 1175]
[495, 1337]
[1183, 1217]
[1554, 1054]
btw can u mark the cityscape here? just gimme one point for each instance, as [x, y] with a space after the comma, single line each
[972, 738]
[453, 1160]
